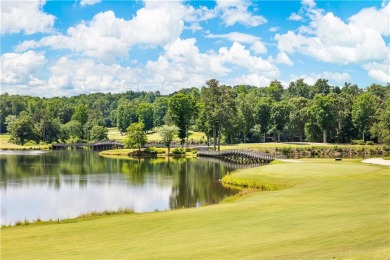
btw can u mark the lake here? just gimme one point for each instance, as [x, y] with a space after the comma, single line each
[64, 184]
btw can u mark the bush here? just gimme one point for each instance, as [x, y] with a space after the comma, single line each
[179, 151]
[369, 143]
[154, 150]
[357, 142]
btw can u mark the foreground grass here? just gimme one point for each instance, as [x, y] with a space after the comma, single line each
[326, 209]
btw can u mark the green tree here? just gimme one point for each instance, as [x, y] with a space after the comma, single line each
[280, 116]
[145, 115]
[98, 133]
[322, 113]
[50, 130]
[275, 90]
[126, 114]
[23, 129]
[298, 115]
[263, 115]
[181, 108]
[160, 109]
[167, 133]
[246, 113]
[136, 137]
[72, 130]
[80, 114]
[363, 110]
[298, 89]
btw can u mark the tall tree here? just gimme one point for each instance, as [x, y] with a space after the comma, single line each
[280, 116]
[145, 115]
[275, 90]
[136, 137]
[126, 114]
[246, 113]
[298, 115]
[323, 113]
[80, 114]
[160, 108]
[167, 133]
[263, 115]
[181, 108]
[363, 110]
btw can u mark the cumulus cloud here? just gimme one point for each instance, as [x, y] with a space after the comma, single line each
[295, 17]
[181, 64]
[25, 16]
[331, 76]
[283, 58]
[250, 79]
[89, 2]
[236, 11]
[329, 39]
[235, 37]
[21, 68]
[274, 29]
[106, 37]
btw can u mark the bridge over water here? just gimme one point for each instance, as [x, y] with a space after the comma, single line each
[239, 156]
[98, 146]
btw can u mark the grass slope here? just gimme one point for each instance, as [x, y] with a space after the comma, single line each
[6, 145]
[331, 209]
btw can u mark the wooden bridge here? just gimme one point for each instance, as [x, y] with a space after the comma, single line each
[239, 156]
[98, 146]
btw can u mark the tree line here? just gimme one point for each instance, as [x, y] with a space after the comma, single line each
[227, 115]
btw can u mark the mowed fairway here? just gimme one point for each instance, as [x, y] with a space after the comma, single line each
[330, 209]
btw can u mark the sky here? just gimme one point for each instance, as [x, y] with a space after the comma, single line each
[66, 48]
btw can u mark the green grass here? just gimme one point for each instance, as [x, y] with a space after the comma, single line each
[319, 209]
[6, 145]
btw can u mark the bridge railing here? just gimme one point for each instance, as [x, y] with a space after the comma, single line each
[245, 153]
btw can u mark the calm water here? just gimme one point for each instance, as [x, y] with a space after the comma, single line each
[65, 184]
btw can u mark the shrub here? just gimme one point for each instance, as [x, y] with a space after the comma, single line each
[154, 150]
[179, 151]
[357, 142]
[369, 143]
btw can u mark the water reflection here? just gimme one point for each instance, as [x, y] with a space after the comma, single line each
[64, 184]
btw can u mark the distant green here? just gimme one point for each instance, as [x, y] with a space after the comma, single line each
[319, 209]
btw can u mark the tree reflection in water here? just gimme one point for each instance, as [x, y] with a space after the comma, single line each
[87, 181]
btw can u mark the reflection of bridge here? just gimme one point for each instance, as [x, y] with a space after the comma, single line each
[239, 156]
[98, 146]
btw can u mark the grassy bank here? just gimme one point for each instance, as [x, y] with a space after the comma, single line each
[318, 209]
[6, 145]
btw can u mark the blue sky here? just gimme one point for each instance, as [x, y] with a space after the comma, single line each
[64, 48]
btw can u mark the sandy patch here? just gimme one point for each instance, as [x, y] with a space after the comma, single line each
[377, 161]
[290, 160]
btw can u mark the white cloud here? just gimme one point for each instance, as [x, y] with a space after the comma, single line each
[274, 29]
[238, 55]
[106, 37]
[250, 79]
[258, 48]
[331, 76]
[378, 71]
[21, 68]
[236, 11]
[25, 16]
[295, 17]
[181, 65]
[283, 58]
[89, 2]
[329, 39]
[235, 37]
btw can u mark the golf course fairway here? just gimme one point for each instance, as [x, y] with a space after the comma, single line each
[314, 209]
